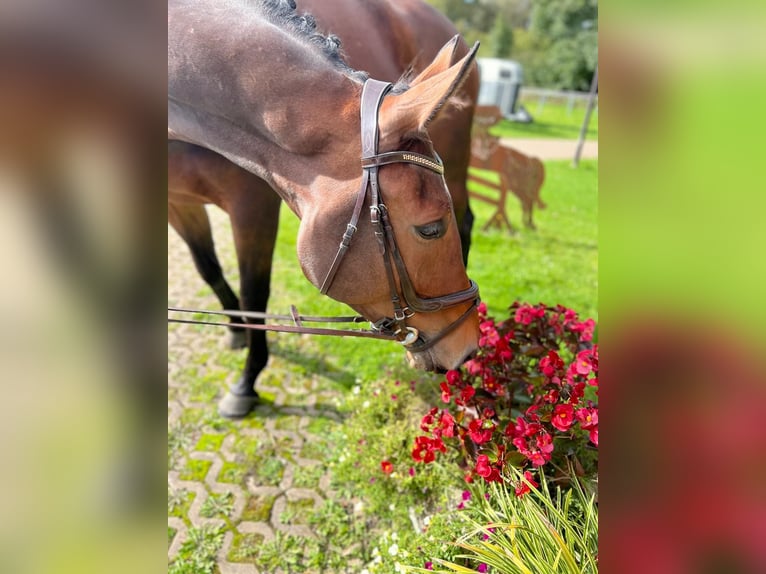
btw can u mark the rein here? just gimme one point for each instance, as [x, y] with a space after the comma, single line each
[406, 305]
[297, 326]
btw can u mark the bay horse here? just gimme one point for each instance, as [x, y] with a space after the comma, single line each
[258, 100]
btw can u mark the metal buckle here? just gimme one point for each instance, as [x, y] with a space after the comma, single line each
[403, 314]
[384, 325]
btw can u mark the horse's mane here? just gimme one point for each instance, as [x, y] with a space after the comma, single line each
[283, 13]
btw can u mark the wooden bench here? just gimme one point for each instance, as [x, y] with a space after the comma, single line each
[519, 173]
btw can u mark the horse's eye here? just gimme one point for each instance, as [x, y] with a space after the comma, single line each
[431, 230]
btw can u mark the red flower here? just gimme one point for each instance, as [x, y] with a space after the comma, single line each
[447, 425]
[386, 467]
[453, 377]
[489, 335]
[577, 393]
[593, 435]
[522, 488]
[481, 431]
[563, 417]
[466, 394]
[428, 420]
[521, 444]
[551, 364]
[424, 450]
[544, 442]
[446, 392]
[482, 466]
[585, 329]
[531, 413]
[486, 470]
[538, 458]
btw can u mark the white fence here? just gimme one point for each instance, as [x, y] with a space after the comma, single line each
[541, 96]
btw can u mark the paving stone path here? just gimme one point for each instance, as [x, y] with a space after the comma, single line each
[251, 479]
[547, 148]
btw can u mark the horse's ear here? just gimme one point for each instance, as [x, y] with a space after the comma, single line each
[443, 60]
[427, 94]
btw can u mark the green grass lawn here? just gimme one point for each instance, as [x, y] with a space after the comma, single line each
[557, 263]
[551, 120]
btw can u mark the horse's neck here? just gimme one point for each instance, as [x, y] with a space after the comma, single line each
[264, 100]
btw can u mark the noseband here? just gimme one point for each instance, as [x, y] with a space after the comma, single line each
[409, 303]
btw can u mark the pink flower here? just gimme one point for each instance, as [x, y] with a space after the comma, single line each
[466, 495]
[481, 568]
[525, 314]
[582, 364]
[563, 417]
[588, 418]
[593, 435]
[473, 367]
[386, 467]
[429, 565]
[489, 335]
[411, 471]
[538, 458]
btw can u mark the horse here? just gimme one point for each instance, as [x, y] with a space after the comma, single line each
[259, 100]
[519, 173]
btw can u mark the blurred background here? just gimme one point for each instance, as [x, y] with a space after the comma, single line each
[682, 266]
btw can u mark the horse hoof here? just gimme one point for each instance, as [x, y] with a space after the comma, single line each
[237, 339]
[236, 406]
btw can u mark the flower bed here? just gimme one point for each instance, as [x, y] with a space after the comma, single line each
[529, 399]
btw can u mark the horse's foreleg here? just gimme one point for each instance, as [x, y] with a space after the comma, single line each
[254, 220]
[193, 225]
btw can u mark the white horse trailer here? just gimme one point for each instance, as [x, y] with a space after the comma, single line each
[501, 82]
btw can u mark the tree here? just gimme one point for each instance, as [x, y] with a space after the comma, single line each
[501, 40]
[565, 34]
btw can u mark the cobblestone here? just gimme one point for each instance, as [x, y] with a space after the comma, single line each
[256, 459]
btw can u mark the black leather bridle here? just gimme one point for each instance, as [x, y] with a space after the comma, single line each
[406, 303]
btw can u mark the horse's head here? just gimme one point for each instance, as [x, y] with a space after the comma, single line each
[404, 268]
